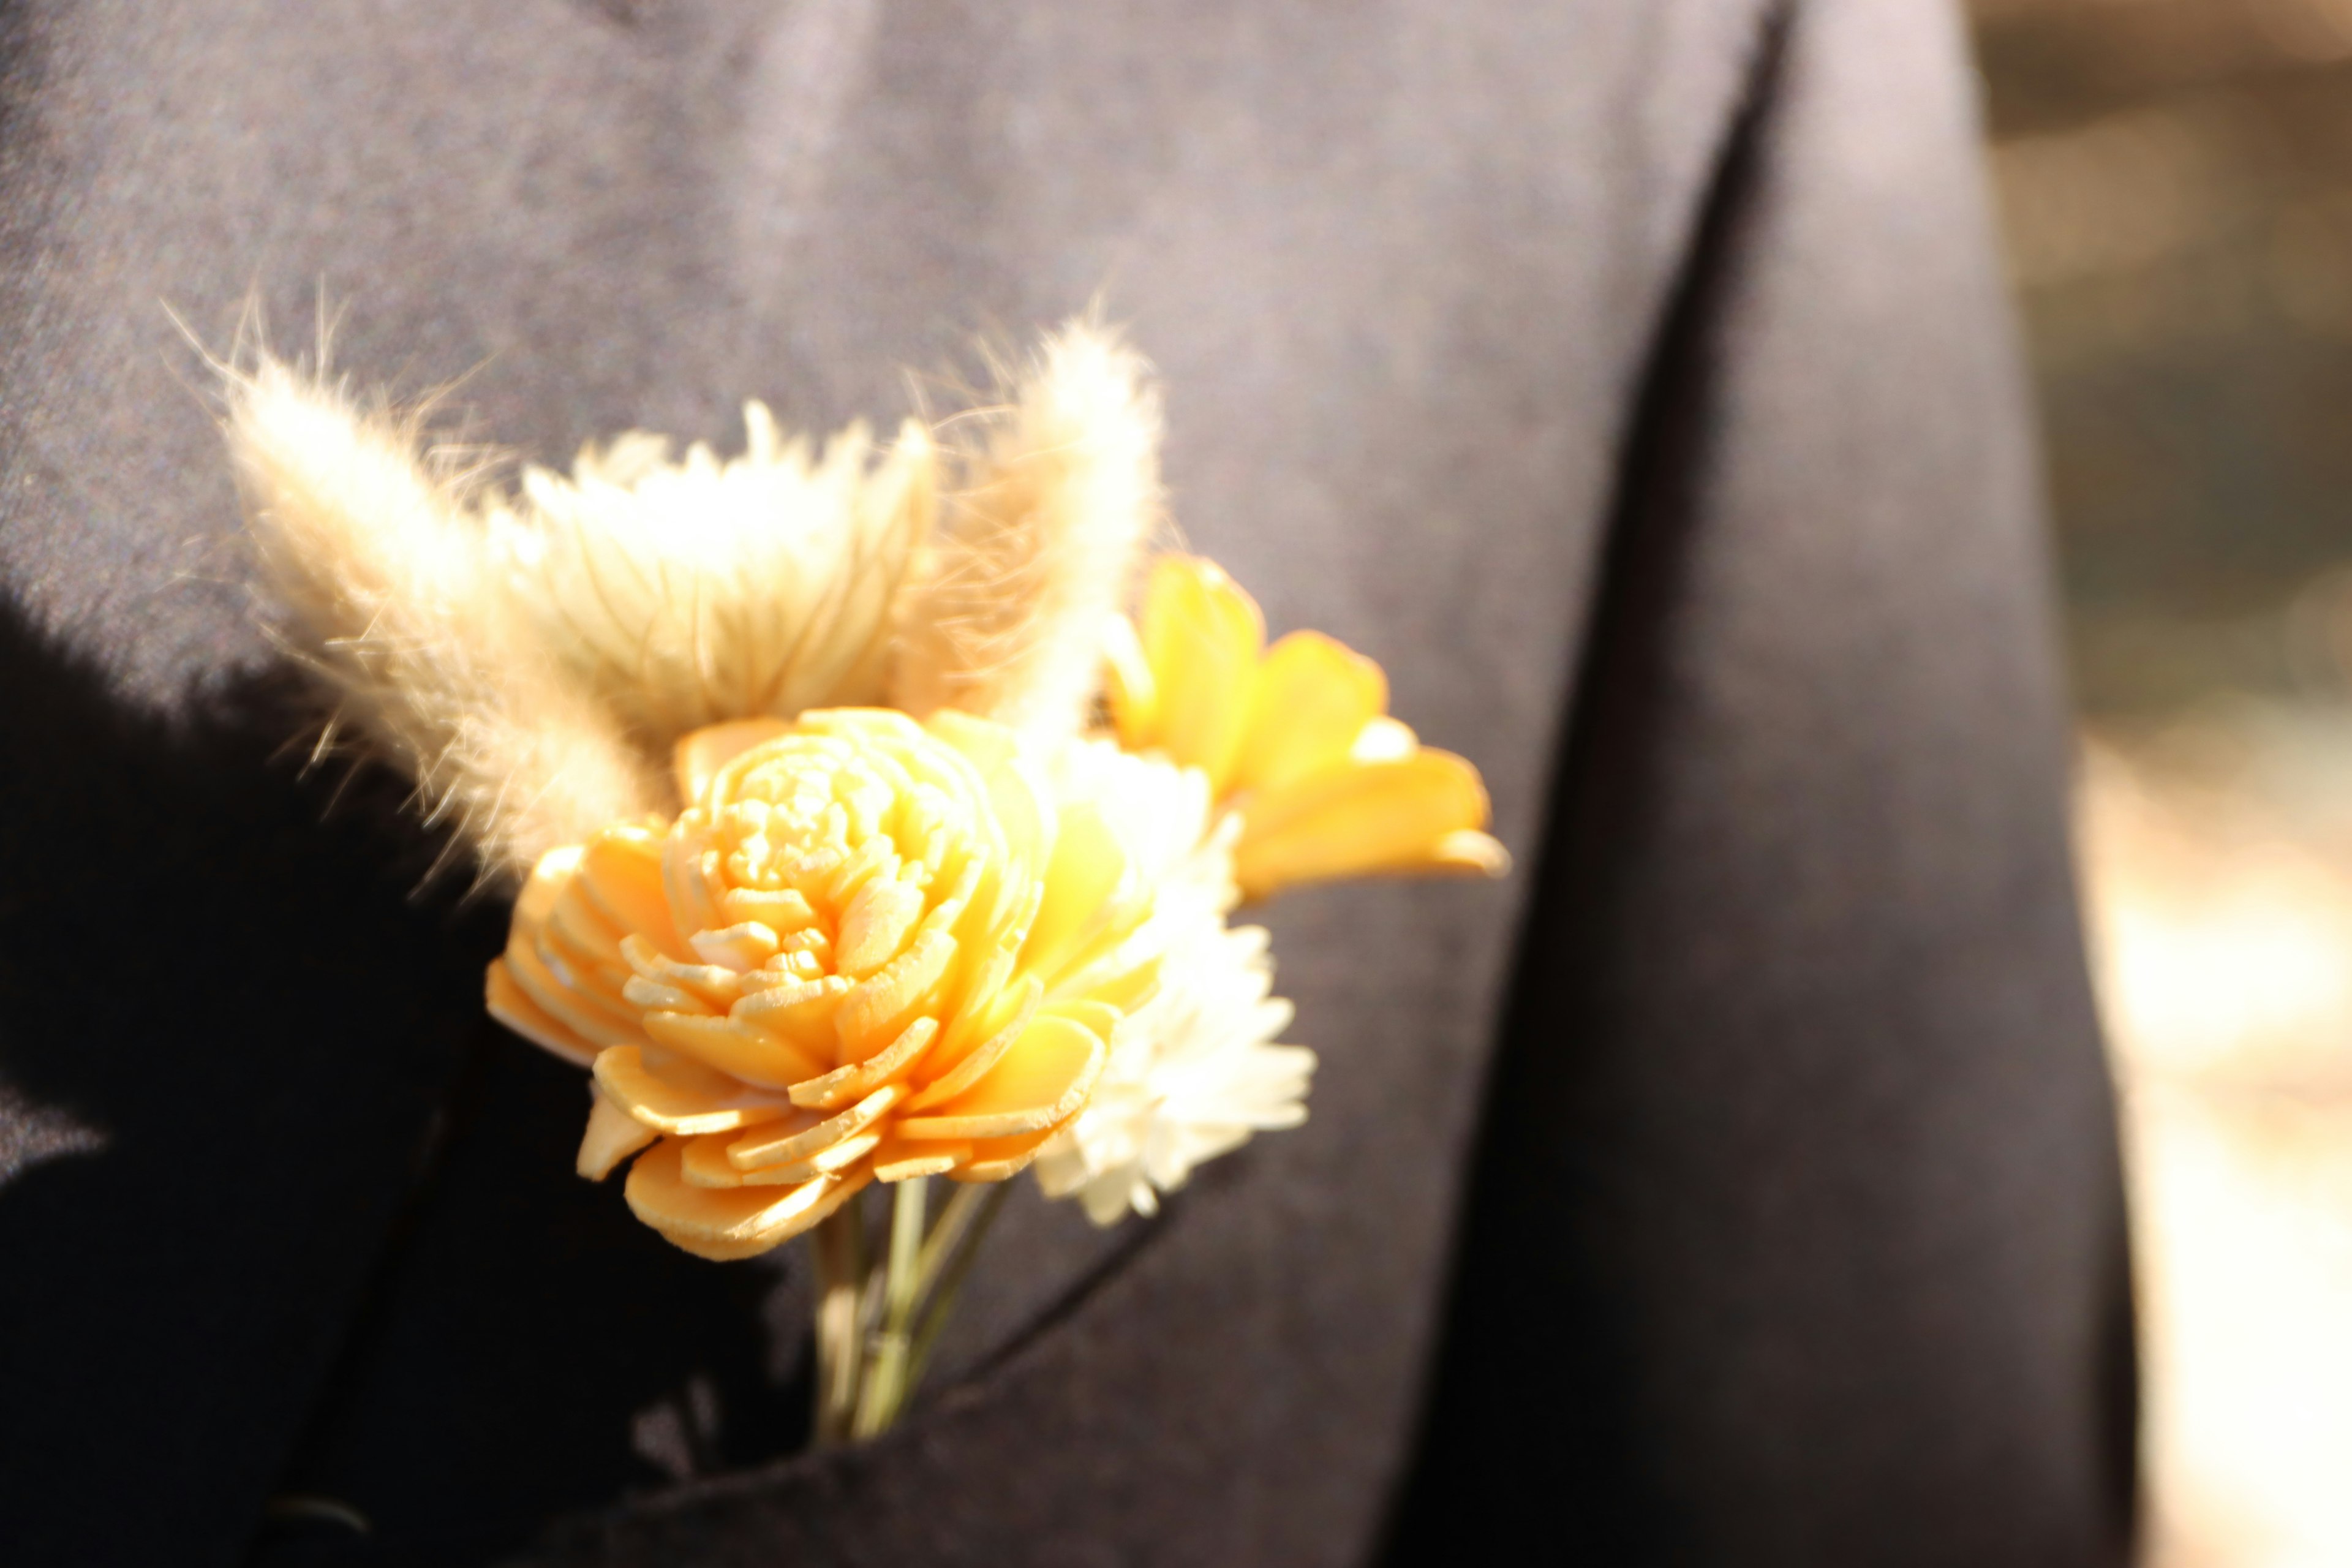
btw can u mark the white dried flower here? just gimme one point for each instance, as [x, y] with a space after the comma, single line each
[1192, 1075]
[1195, 1072]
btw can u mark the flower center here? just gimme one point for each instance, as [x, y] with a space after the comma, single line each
[836, 846]
[835, 869]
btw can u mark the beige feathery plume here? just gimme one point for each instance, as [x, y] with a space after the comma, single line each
[695, 592]
[530, 660]
[1039, 546]
[384, 572]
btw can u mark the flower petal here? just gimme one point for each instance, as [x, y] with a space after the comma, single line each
[713, 987]
[1203, 634]
[1385, 816]
[1097, 1015]
[986, 991]
[702, 752]
[881, 916]
[801, 1012]
[510, 1004]
[690, 879]
[897, 1160]
[546, 885]
[682, 1097]
[1470, 853]
[1018, 1002]
[1383, 739]
[834, 1161]
[1125, 978]
[844, 1084]
[702, 1161]
[742, 946]
[1087, 866]
[995, 1159]
[621, 873]
[1043, 1081]
[613, 1135]
[741, 1051]
[572, 914]
[785, 1146]
[724, 1224]
[1315, 695]
[593, 1018]
[783, 911]
[878, 1007]
[707, 1164]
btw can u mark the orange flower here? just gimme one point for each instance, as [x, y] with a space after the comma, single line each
[1296, 737]
[868, 949]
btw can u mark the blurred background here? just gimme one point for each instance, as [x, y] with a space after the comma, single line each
[2175, 179]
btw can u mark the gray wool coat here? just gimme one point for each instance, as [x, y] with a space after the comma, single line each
[1735, 1184]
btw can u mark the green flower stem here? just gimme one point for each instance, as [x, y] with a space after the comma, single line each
[886, 1380]
[879, 1318]
[838, 1246]
[955, 1219]
[951, 1267]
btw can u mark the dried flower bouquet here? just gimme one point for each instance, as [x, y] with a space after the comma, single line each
[877, 813]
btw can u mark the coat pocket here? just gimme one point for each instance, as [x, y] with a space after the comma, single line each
[962, 1469]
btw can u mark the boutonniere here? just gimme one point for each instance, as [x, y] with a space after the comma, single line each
[876, 812]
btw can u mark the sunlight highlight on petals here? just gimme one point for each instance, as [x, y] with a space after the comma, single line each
[1298, 739]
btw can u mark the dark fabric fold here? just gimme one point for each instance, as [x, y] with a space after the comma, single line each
[1799, 1125]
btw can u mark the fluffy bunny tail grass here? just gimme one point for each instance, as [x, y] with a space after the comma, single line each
[380, 568]
[1040, 545]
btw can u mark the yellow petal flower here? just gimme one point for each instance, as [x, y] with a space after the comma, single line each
[1322, 693]
[1359, 817]
[1202, 636]
[867, 949]
[1297, 740]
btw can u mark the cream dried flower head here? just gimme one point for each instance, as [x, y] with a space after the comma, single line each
[707, 589]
